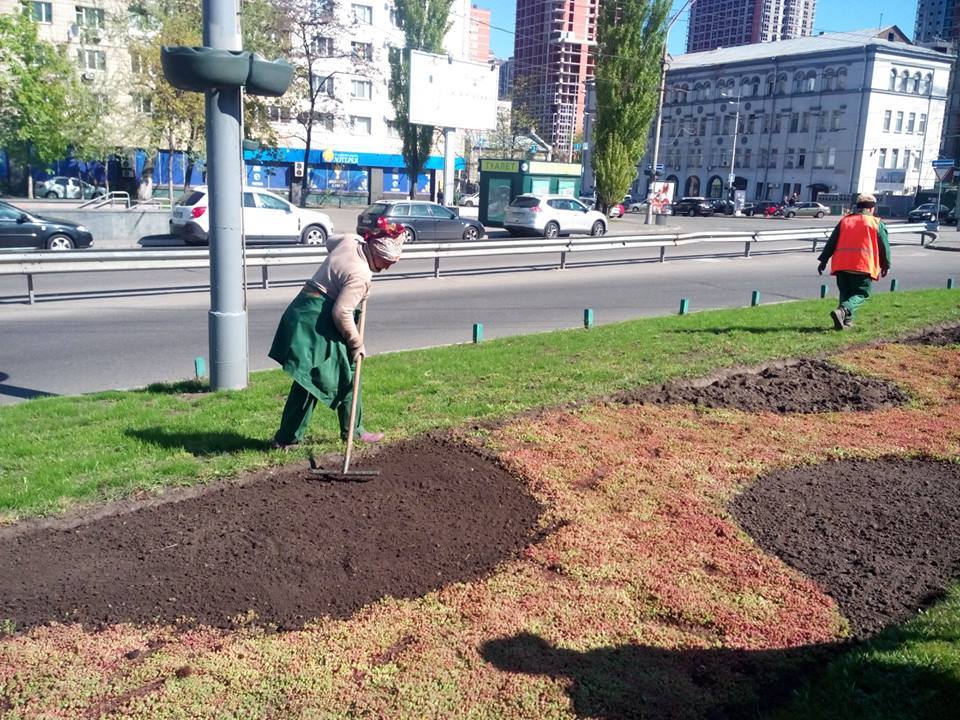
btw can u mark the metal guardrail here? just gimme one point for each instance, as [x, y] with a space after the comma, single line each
[29, 264]
[115, 197]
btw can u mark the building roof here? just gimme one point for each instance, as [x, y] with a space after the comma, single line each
[824, 42]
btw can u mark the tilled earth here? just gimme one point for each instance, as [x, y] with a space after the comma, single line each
[882, 537]
[948, 335]
[807, 386]
[279, 550]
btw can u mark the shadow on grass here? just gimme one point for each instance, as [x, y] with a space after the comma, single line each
[183, 387]
[199, 443]
[803, 329]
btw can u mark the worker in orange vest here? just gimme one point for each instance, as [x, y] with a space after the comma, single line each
[859, 253]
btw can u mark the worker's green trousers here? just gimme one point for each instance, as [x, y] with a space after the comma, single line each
[854, 290]
[299, 409]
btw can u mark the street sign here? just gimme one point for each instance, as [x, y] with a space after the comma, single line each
[730, 178]
[943, 162]
[942, 171]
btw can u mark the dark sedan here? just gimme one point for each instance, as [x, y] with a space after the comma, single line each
[424, 221]
[927, 211]
[22, 229]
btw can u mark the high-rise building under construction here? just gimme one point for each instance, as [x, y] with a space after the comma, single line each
[727, 23]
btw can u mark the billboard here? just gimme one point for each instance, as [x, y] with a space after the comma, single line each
[661, 196]
[452, 93]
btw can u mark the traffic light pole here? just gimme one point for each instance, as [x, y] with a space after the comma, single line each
[227, 319]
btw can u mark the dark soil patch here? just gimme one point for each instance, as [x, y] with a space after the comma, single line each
[882, 537]
[283, 548]
[937, 336]
[807, 386]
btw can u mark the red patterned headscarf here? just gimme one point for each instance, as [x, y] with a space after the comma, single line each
[387, 240]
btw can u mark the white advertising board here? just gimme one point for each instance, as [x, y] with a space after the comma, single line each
[452, 93]
[661, 196]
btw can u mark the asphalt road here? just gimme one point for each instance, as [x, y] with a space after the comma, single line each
[118, 330]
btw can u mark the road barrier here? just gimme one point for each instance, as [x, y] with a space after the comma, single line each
[30, 264]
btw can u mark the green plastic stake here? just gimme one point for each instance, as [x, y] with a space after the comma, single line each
[823, 291]
[477, 332]
[684, 306]
[587, 317]
[949, 283]
[199, 367]
[755, 298]
[893, 285]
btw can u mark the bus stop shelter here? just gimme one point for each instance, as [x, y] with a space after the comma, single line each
[502, 180]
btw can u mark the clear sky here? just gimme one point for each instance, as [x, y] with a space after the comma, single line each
[831, 15]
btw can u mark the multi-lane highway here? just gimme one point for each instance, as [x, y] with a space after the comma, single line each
[121, 330]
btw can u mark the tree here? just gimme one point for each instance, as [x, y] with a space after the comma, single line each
[319, 42]
[424, 23]
[630, 37]
[40, 96]
[177, 119]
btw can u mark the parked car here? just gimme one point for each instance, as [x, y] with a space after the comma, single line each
[68, 188]
[551, 216]
[692, 206]
[723, 207]
[806, 209]
[762, 208]
[926, 211]
[470, 200]
[616, 211]
[22, 229]
[266, 218]
[424, 221]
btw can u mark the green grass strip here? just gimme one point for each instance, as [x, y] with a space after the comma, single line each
[57, 452]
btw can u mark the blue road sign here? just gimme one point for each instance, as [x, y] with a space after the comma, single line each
[943, 162]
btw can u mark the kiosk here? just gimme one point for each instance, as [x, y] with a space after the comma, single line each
[502, 180]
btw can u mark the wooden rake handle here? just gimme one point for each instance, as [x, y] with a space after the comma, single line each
[356, 390]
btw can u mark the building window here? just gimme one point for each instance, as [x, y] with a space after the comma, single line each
[831, 157]
[887, 116]
[906, 159]
[89, 17]
[895, 158]
[143, 104]
[764, 158]
[777, 119]
[836, 119]
[922, 127]
[916, 161]
[42, 12]
[911, 122]
[322, 46]
[842, 79]
[361, 89]
[359, 125]
[771, 84]
[801, 157]
[362, 50]
[893, 80]
[323, 86]
[363, 14]
[810, 82]
[773, 158]
[898, 125]
[818, 158]
[915, 85]
[822, 118]
[747, 157]
[393, 129]
[927, 84]
[798, 84]
[805, 124]
[781, 87]
[882, 160]
[829, 79]
[92, 59]
[904, 80]
[790, 158]
[794, 121]
[278, 114]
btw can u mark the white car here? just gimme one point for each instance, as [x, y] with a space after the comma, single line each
[471, 200]
[552, 216]
[266, 218]
[68, 188]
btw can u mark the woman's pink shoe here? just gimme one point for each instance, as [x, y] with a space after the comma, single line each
[371, 437]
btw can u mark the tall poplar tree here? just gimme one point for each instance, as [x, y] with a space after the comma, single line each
[630, 37]
[424, 24]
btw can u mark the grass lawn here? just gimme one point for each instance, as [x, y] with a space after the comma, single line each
[608, 609]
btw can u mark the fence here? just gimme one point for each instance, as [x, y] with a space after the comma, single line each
[30, 264]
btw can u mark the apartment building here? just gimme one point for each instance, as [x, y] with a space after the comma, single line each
[837, 112]
[553, 62]
[480, 34]
[727, 23]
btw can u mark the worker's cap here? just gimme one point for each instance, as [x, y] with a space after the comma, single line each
[866, 200]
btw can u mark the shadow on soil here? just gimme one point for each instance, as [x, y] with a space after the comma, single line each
[199, 443]
[638, 681]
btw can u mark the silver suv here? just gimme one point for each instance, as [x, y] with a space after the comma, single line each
[551, 216]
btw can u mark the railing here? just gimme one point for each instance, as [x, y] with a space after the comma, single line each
[114, 197]
[29, 264]
[160, 203]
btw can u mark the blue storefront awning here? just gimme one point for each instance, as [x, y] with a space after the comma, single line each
[342, 157]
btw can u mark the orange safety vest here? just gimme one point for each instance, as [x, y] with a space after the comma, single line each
[858, 246]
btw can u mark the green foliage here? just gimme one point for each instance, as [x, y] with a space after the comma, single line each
[424, 24]
[41, 97]
[630, 38]
[174, 435]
